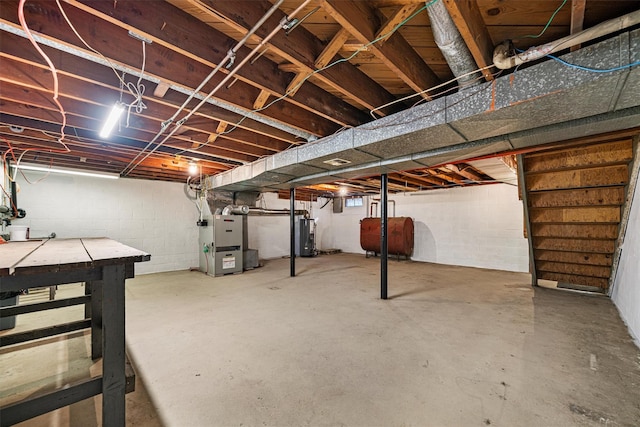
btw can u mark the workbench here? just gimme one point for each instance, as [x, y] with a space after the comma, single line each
[104, 265]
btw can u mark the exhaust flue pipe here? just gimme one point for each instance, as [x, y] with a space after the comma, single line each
[235, 210]
[452, 45]
[261, 211]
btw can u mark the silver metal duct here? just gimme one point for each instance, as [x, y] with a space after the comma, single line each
[235, 210]
[267, 212]
[451, 44]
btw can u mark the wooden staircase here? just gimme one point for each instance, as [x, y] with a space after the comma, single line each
[574, 198]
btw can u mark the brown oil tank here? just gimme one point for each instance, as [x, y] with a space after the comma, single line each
[400, 238]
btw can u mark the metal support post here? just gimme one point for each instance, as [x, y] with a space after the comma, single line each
[383, 235]
[292, 195]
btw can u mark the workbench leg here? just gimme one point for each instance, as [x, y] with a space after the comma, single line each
[95, 288]
[87, 306]
[113, 360]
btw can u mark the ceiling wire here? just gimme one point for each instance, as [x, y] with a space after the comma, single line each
[531, 36]
[338, 61]
[589, 69]
[593, 70]
[136, 90]
[230, 57]
[54, 73]
[413, 95]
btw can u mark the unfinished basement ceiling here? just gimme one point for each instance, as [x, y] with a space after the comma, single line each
[325, 64]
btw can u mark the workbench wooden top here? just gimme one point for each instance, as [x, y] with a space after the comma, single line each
[42, 256]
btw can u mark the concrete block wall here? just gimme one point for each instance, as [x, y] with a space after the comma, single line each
[152, 216]
[626, 287]
[270, 234]
[473, 226]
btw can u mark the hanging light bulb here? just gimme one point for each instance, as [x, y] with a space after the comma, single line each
[193, 168]
[111, 121]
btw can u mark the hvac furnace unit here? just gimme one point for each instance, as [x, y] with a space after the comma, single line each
[226, 248]
[221, 245]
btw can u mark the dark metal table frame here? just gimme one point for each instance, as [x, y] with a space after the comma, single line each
[106, 278]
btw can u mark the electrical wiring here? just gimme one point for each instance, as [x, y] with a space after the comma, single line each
[413, 95]
[593, 70]
[17, 162]
[589, 69]
[229, 58]
[88, 46]
[54, 73]
[338, 61]
[451, 89]
[531, 36]
[136, 90]
[15, 209]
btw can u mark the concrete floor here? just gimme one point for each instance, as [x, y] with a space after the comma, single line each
[453, 346]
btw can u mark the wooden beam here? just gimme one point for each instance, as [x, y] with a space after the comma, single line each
[202, 43]
[299, 47]
[261, 100]
[114, 43]
[296, 83]
[29, 75]
[288, 67]
[394, 20]
[577, 19]
[161, 90]
[466, 171]
[138, 128]
[99, 84]
[222, 126]
[429, 179]
[212, 138]
[412, 179]
[106, 157]
[446, 174]
[89, 124]
[361, 20]
[468, 18]
[332, 48]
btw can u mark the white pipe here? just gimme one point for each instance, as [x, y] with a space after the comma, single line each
[502, 60]
[230, 56]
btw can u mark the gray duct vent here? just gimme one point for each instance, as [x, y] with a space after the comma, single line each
[337, 162]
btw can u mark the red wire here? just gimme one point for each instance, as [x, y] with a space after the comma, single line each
[54, 73]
